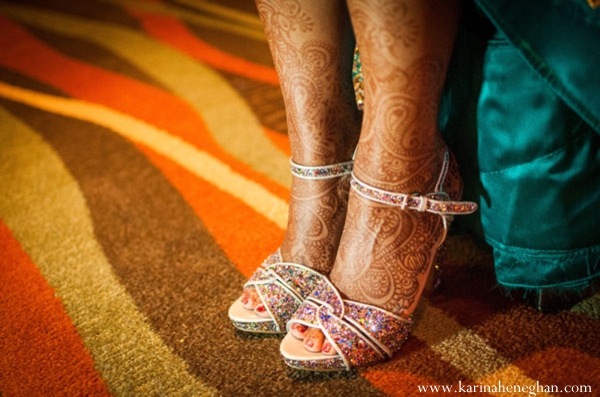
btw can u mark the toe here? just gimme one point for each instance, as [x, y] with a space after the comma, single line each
[298, 330]
[261, 310]
[328, 349]
[313, 340]
[249, 298]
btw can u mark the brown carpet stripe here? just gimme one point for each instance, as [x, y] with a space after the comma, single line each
[169, 264]
[265, 100]
[94, 54]
[227, 116]
[45, 211]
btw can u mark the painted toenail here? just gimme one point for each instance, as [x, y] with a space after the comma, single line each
[260, 308]
[326, 347]
[310, 343]
[244, 300]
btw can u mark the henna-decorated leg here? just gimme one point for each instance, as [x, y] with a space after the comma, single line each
[385, 252]
[312, 45]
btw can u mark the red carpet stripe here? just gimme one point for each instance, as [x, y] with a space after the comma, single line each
[280, 140]
[169, 264]
[26, 54]
[41, 352]
[175, 33]
[564, 367]
[416, 365]
[44, 206]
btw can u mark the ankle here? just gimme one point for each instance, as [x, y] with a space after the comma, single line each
[316, 217]
[307, 159]
[332, 143]
[409, 173]
[387, 252]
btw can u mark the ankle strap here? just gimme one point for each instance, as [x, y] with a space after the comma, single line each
[322, 171]
[437, 203]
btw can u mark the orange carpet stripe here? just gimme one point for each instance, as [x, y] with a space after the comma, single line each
[399, 383]
[172, 31]
[245, 236]
[406, 384]
[564, 368]
[26, 54]
[41, 352]
[281, 141]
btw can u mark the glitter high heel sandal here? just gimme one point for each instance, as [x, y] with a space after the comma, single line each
[281, 286]
[362, 334]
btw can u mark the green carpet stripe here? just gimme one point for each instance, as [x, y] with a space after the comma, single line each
[226, 114]
[43, 206]
[589, 306]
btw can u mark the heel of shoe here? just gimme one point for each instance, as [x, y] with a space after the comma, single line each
[434, 280]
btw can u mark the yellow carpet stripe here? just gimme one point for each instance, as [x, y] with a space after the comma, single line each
[466, 350]
[194, 160]
[227, 116]
[250, 31]
[42, 204]
[222, 11]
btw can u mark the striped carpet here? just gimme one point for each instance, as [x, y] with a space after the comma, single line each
[143, 177]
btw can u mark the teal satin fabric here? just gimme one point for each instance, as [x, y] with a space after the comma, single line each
[522, 113]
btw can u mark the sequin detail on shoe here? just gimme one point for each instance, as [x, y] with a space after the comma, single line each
[306, 314]
[267, 327]
[363, 335]
[436, 203]
[259, 274]
[280, 303]
[321, 172]
[321, 365]
[389, 330]
[281, 288]
[356, 350]
[273, 258]
[302, 280]
[327, 294]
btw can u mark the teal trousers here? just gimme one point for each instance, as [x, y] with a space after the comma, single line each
[521, 111]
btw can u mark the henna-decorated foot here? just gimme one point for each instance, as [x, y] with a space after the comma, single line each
[387, 251]
[312, 46]
[316, 217]
[317, 213]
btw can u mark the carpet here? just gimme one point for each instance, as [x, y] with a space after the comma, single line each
[144, 176]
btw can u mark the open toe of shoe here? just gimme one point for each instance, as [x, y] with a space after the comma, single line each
[359, 334]
[281, 288]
